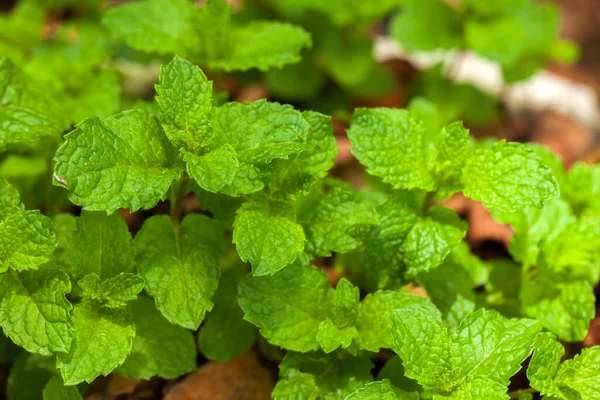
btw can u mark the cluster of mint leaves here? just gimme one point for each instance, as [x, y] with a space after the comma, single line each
[519, 35]
[84, 298]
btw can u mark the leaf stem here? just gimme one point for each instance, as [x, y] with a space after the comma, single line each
[515, 394]
[427, 200]
[177, 203]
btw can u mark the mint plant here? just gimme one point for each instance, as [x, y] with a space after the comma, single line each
[519, 35]
[237, 208]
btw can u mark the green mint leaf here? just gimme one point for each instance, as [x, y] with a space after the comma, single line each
[421, 341]
[484, 7]
[260, 45]
[101, 245]
[29, 116]
[330, 336]
[580, 374]
[381, 390]
[23, 26]
[348, 60]
[393, 370]
[288, 306]
[34, 312]
[533, 226]
[299, 81]
[431, 239]
[477, 359]
[339, 208]
[455, 279]
[260, 131]
[383, 264]
[581, 187]
[425, 25]
[254, 141]
[391, 144]
[154, 26]
[340, 12]
[181, 266]
[345, 303]
[288, 176]
[221, 171]
[544, 364]
[28, 377]
[577, 378]
[375, 314]
[65, 226]
[266, 234]
[484, 38]
[452, 149]
[124, 161]
[575, 251]
[27, 238]
[100, 97]
[507, 177]
[311, 376]
[185, 102]
[564, 306]
[102, 341]
[225, 334]
[159, 348]
[56, 390]
[113, 292]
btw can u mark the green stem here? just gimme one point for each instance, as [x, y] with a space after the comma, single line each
[517, 393]
[177, 202]
[427, 200]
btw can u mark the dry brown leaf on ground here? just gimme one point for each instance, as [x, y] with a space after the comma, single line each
[243, 378]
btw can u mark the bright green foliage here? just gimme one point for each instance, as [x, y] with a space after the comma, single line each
[206, 35]
[342, 12]
[394, 146]
[27, 238]
[507, 177]
[159, 348]
[455, 279]
[375, 314]
[565, 252]
[312, 376]
[101, 246]
[520, 35]
[475, 361]
[409, 241]
[381, 391]
[340, 208]
[447, 101]
[180, 266]
[288, 306]
[124, 161]
[113, 292]
[56, 390]
[156, 26]
[28, 377]
[225, 334]
[234, 258]
[425, 25]
[266, 234]
[185, 101]
[290, 177]
[34, 312]
[297, 310]
[29, 117]
[578, 378]
[102, 340]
